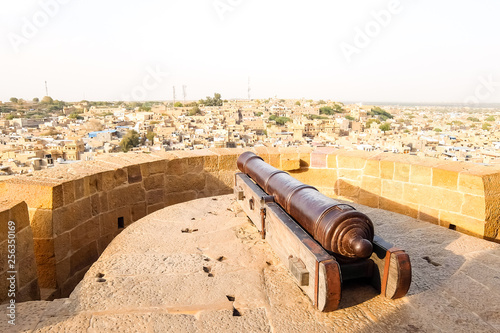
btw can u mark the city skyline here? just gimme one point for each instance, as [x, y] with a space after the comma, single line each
[378, 51]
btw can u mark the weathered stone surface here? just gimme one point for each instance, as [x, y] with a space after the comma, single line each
[158, 278]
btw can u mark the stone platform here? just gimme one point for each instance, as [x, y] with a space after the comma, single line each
[201, 266]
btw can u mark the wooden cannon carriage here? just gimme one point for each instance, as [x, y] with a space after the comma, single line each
[321, 241]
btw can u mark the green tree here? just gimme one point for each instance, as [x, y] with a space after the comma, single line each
[36, 100]
[258, 114]
[370, 121]
[297, 103]
[14, 100]
[75, 115]
[486, 126]
[10, 117]
[321, 101]
[385, 127]
[130, 140]
[473, 119]
[178, 105]
[215, 101]
[380, 113]
[150, 135]
[437, 130]
[490, 118]
[194, 110]
[348, 117]
[47, 100]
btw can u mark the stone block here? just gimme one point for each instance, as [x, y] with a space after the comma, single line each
[178, 197]
[85, 233]
[462, 223]
[348, 160]
[153, 168]
[470, 183]
[288, 164]
[386, 169]
[402, 172]
[420, 174]
[68, 192]
[138, 211]
[372, 168]
[79, 188]
[44, 250]
[433, 197]
[24, 243]
[29, 292]
[95, 204]
[108, 223]
[371, 185]
[63, 270]
[62, 245]
[348, 189]
[134, 174]
[153, 208]
[68, 217]
[19, 214]
[392, 190]
[126, 196]
[47, 274]
[227, 162]
[316, 177]
[26, 270]
[398, 207]
[474, 206]
[84, 257]
[103, 198]
[156, 196]
[428, 215]
[154, 182]
[445, 178]
[94, 183]
[350, 174]
[368, 198]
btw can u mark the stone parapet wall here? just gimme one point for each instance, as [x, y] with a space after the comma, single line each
[457, 195]
[77, 209]
[17, 254]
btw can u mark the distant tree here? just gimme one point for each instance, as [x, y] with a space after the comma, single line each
[321, 101]
[10, 117]
[47, 100]
[178, 105]
[150, 136]
[486, 126]
[258, 114]
[130, 140]
[282, 120]
[380, 113]
[215, 101]
[14, 100]
[490, 118]
[51, 132]
[75, 115]
[348, 117]
[194, 110]
[437, 130]
[385, 127]
[473, 119]
[297, 103]
[282, 101]
[93, 125]
[370, 121]
[328, 110]
[36, 100]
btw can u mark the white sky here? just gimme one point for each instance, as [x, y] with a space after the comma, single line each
[431, 51]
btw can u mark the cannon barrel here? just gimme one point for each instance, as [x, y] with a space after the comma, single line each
[338, 227]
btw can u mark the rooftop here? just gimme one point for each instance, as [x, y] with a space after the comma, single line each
[201, 265]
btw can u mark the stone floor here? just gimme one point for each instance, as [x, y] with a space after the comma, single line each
[219, 276]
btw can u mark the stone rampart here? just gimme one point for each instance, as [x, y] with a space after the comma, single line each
[18, 274]
[76, 210]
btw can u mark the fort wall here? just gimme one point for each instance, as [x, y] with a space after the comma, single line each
[76, 210]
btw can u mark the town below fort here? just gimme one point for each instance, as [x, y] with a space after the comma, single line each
[46, 133]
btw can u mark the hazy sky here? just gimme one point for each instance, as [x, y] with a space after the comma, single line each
[415, 51]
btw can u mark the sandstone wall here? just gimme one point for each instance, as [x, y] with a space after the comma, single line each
[26, 282]
[76, 210]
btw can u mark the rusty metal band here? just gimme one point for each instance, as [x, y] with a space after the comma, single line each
[271, 176]
[295, 190]
[386, 268]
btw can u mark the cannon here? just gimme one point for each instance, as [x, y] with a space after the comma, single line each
[322, 242]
